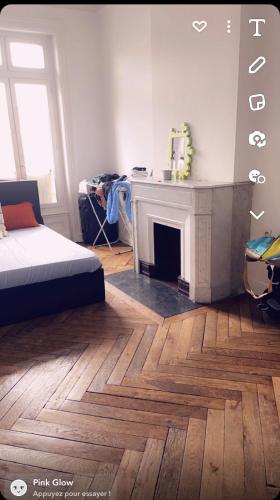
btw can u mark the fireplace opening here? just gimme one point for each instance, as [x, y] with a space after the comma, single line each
[167, 248]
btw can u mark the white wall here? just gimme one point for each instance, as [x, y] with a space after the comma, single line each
[74, 33]
[195, 77]
[125, 45]
[159, 72]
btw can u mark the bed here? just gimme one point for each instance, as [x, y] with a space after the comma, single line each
[42, 272]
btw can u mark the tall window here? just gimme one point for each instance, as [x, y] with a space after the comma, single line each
[29, 138]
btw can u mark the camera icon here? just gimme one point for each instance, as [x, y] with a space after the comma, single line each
[257, 139]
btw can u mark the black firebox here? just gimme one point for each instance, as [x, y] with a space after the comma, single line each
[167, 248]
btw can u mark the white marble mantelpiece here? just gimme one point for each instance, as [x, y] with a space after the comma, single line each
[214, 221]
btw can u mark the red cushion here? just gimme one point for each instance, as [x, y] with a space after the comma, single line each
[19, 216]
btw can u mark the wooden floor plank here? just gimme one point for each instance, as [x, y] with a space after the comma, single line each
[233, 476]
[104, 478]
[80, 434]
[276, 387]
[31, 399]
[156, 349]
[92, 368]
[170, 347]
[103, 424]
[68, 383]
[127, 415]
[234, 320]
[212, 473]
[124, 361]
[198, 334]
[169, 474]
[164, 396]
[61, 446]
[189, 488]
[184, 338]
[210, 332]
[100, 379]
[142, 351]
[246, 323]
[146, 480]
[222, 326]
[255, 480]
[126, 475]
[146, 405]
[51, 461]
[271, 434]
[189, 385]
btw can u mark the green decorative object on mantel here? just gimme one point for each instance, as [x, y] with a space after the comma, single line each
[180, 152]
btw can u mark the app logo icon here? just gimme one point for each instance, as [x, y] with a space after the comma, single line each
[257, 102]
[257, 138]
[257, 64]
[257, 177]
[199, 25]
[18, 487]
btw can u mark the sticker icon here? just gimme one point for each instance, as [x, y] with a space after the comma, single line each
[18, 487]
[257, 102]
[257, 177]
[257, 138]
[199, 25]
[257, 64]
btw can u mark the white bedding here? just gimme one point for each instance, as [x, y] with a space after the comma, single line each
[40, 254]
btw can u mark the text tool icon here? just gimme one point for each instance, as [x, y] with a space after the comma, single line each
[257, 216]
[257, 25]
[257, 102]
[199, 25]
[257, 64]
[257, 177]
[257, 138]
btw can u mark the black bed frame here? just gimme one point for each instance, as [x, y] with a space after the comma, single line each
[48, 297]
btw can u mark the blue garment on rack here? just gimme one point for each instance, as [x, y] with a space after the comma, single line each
[113, 201]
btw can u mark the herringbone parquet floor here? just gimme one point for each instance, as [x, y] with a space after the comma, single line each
[108, 400]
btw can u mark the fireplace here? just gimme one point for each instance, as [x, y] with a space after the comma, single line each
[167, 243]
[207, 223]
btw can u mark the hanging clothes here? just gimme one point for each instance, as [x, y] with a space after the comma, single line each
[113, 201]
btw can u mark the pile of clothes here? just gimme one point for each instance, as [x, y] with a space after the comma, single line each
[106, 188]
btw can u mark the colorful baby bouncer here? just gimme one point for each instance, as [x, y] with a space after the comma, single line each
[265, 249]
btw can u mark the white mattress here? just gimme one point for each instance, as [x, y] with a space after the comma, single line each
[40, 254]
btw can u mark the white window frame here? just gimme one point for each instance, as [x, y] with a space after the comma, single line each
[10, 75]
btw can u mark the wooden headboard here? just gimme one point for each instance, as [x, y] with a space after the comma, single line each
[13, 192]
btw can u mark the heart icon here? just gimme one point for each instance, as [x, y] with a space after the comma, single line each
[199, 25]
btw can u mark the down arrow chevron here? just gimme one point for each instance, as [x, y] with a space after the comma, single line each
[257, 216]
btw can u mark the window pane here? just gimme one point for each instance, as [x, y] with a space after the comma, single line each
[7, 159]
[27, 55]
[35, 129]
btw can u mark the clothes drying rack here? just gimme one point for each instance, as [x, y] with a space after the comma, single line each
[102, 224]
